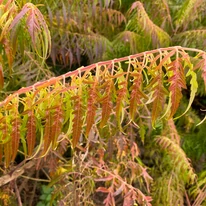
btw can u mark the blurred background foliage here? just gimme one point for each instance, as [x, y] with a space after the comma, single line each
[87, 31]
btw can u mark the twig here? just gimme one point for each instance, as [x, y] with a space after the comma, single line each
[16, 173]
[35, 179]
[187, 198]
[17, 194]
[34, 189]
[201, 197]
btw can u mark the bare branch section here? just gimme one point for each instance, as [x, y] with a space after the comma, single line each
[16, 173]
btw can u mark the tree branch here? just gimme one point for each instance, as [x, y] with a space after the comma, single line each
[16, 173]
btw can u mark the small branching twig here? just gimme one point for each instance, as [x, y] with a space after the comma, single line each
[17, 193]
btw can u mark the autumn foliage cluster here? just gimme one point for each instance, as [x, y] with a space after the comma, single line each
[108, 133]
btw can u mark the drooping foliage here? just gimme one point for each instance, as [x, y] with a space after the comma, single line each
[107, 96]
[109, 133]
[23, 54]
[110, 29]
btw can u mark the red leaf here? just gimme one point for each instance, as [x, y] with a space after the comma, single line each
[136, 93]
[9, 51]
[109, 201]
[19, 16]
[31, 132]
[177, 82]
[57, 123]
[166, 57]
[148, 179]
[33, 25]
[135, 151]
[159, 98]
[119, 190]
[15, 137]
[91, 108]
[128, 199]
[47, 131]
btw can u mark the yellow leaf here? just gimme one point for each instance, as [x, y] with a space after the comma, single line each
[1, 77]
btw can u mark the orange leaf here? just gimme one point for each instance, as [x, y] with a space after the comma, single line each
[136, 94]
[8, 51]
[7, 145]
[106, 104]
[102, 189]
[165, 59]
[31, 132]
[8, 153]
[159, 98]
[47, 131]
[15, 137]
[177, 82]
[57, 123]
[91, 108]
